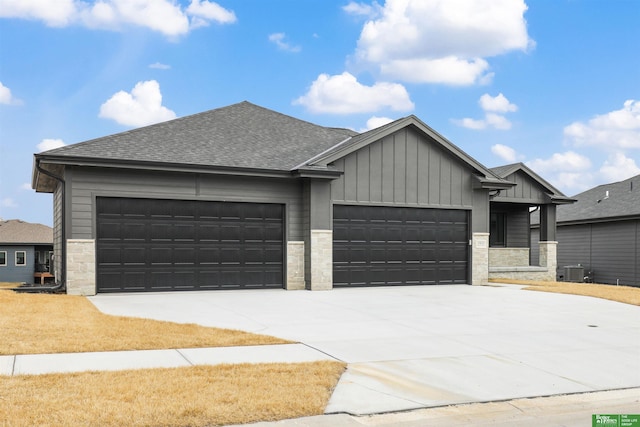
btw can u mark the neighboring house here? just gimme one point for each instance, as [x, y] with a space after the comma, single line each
[601, 232]
[245, 197]
[25, 251]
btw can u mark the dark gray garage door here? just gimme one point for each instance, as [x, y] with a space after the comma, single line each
[378, 246]
[166, 245]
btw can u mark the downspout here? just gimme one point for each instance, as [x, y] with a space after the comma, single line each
[60, 281]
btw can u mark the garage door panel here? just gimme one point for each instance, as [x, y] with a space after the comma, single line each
[155, 245]
[376, 246]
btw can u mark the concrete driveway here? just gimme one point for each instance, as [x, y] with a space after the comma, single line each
[424, 346]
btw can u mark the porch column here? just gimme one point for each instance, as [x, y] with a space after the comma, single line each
[320, 239]
[547, 223]
[548, 258]
[480, 259]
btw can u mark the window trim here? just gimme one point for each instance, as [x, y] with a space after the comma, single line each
[3, 264]
[25, 259]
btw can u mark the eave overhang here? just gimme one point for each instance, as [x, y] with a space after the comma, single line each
[56, 165]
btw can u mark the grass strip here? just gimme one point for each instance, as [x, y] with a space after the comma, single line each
[44, 323]
[624, 294]
[192, 396]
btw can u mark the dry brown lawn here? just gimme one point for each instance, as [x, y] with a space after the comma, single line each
[9, 285]
[194, 396]
[44, 323]
[625, 294]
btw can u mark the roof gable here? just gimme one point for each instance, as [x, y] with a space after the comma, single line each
[530, 188]
[359, 141]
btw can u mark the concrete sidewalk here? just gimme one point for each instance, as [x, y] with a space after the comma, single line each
[34, 364]
[575, 410]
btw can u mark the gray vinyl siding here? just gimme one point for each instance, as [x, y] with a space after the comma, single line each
[610, 249]
[518, 228]
[86, 184]
[534, 251]
[14, 273]
[403, 169]
[517, 224]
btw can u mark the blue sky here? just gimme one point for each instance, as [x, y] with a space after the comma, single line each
[553, 84]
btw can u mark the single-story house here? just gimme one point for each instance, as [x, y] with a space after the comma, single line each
[25, 251]
[601, 233]
[243, 197]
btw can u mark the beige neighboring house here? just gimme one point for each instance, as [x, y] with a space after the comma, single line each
[26, 250]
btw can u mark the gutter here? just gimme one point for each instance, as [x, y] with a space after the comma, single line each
[60, 281]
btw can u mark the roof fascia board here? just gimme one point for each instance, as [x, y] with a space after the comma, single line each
[492, 184]
[317, 173]
[167, 167]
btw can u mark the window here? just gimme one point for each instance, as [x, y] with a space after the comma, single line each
[3, 258]
[21, 258]
[498, 229]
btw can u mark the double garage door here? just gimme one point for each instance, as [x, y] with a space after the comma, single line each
[381, 246]
[168, 245]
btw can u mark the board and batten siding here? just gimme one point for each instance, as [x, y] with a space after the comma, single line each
[525, 191]
[403, 169]
[86, 184]
[610, 249]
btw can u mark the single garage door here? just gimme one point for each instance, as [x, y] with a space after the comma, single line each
[380, 246]
[167, 245]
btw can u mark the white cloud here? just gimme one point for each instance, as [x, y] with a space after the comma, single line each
[376, 122]
[26, 186]
[498, 104]
[449, 70]
[506, 153]
[363, 9]
[206, 11]
[6, 97]
[438, 41]
[49, 144]
[617, 129]
[143, 106]
[58, 13]
[569, 161]
[470, 123]
[8, 202]
[497, 121]
[491, 106]
[160, 66]
[165, 16]
[569, 171]
[618, 167]
[343, 94]
[278, 40]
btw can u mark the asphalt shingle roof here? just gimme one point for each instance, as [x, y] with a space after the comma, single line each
[15, 231]
[618, 199]
[241, 135]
